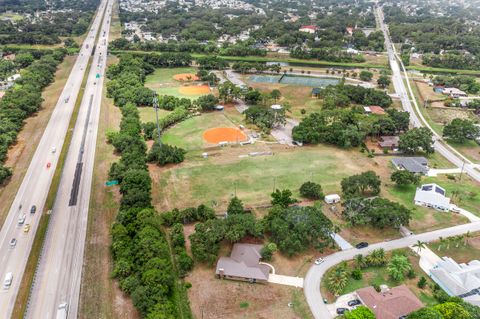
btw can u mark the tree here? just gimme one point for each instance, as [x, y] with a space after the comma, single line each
[207, 102]
[268, 250]
[383, 81]
[337, 280]
[235, 206]
[398, 266]
[366, 183]
[275, 94]
[451, 310]
[460, 130]
[361, 312]
[357, 274]
[415, 140]
[420, 245]
[360, 261]
[282, 198]
[163, 154]
[425, 313]
[404, 178]
[422, 282]
[366, 75]
[311, 190]
[376, 258]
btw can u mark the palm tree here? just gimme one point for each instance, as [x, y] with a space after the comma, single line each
[377, 257]
[458, 240]
[420, 245]
[466, 237]
[360, 261]
[398, 266]
[448, 241]
[337, 280]
[442, 241]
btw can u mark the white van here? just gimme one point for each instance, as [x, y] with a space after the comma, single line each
[7, 282]
[62, 311]
[21, 219]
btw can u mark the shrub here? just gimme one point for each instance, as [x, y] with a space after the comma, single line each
[311, 190]
[357, 274]
[422, 282]
[163, 154]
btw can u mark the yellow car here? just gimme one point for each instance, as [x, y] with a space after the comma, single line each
[26, 228]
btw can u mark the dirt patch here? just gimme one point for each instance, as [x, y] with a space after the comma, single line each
[194, 89]
[186, 77]
[224, 134]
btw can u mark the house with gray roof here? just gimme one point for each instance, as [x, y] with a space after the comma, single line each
[416, 164]
[243, 264]
[433, 196]
[459, 280]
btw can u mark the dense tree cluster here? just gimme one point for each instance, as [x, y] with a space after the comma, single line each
[326, 54]
[364, 184]
[163, 154]
[247, 67]
[23, 100]
[451, 308]
[263, 117]
[311, 190]
[416, 140]
[465, 83]
[460, 130]
[342, 95]
[189, 215]
[452, 61]
[377, 212]
[404, 177]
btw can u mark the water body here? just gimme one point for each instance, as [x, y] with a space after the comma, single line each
[295, 80]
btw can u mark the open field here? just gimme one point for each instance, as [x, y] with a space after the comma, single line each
[147, 114]
[463, 252]
[100, 296]
[20, 155]
[12, 16]
[379, 276]
[115, 25]
[163, 82]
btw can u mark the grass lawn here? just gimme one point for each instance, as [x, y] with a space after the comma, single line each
[379, 275]
[147, 114]
[464, 253]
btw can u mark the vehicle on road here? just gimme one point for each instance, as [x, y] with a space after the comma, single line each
[62, 311]
[49, 164]
[13, 243]
[54, 149]
[26, 228]
[7, 282]
[21, 219]
[318, 261]
[33, 209]
[66, 100]
[354, 302]
[341, 311]
[361, 245]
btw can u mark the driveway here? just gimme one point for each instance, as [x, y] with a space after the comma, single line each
[341, 302]
[286, 280]
[435, 172]
[428, 259]
[341, 242]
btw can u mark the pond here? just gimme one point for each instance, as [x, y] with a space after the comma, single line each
[295, 80]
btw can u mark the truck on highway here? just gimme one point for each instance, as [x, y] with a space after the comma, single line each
[62, 311]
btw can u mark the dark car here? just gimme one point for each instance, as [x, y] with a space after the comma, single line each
[354, 302]
[361, 245]
[341, 311]
[33, 209]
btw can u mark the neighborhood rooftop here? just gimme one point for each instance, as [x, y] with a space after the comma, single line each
[243, 264]
[411, 164]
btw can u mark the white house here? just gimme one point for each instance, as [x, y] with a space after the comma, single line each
[454, 92]
[432, 195]
[332, 199]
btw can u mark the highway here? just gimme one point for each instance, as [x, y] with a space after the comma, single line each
[314, 276]
[59, 272]
[38, 178]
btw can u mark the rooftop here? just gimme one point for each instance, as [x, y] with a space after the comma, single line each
[416, 164]
[243, 262]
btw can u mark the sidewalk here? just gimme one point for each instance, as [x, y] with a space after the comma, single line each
[341, 242]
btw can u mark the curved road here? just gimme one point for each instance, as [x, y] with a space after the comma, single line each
[315, 273]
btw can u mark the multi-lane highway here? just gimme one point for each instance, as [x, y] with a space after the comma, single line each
[36, 183]
[59, 271]
[314, 276]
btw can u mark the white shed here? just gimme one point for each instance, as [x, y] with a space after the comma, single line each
[332, 199]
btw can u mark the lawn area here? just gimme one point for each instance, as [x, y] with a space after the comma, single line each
[13, 16]
[379, 276]
[115, 25]
[162, 81]
[147, 114]
[464, 253]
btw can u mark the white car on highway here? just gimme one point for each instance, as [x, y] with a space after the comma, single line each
[7, 282]
[21, 219]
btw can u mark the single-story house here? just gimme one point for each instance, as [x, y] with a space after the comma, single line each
[432, 195]
[454, 92]
[243, 264]
[332, 199]
[308, 28]
[460, 280]
[389, 303]
[374, 109]
[416, 165]
[389, 142]
[316, 92]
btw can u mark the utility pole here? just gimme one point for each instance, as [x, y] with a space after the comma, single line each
[463, 166]
[155, 105]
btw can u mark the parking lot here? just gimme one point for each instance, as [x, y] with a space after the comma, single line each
[341, 302]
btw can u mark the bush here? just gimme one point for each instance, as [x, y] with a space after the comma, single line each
[163, 154]
[422, 282]
[311, 190]
[357, 274]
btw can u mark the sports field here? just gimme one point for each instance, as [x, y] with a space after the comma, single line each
[179, 82]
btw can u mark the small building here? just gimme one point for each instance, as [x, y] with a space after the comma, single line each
[332, 199]
[454, 92]
[458, 280]
[243, 264]
[352, 51]
[388, 142]
[432, 195]
[316, 92]
[276, 107]
[308, 28]
[374, 109]
[416, 165]
[389, 303]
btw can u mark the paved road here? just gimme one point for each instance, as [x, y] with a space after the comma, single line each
[36, 183]
[315, 273]
[59, 271]
[311, 285]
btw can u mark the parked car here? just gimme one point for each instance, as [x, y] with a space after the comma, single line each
[318, 261]
[26, 228]
[33, 209]
[54, 149]
[361, 245]
[341, 311]
[13, 243]
[454, 208]
[354, 302]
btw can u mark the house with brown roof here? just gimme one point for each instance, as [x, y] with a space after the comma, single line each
[389, 303]
[388, 142]
[243, 264]
[374, 109]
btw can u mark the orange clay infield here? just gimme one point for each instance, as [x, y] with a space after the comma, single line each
[186, 77]
[194, 90]
[224, 134]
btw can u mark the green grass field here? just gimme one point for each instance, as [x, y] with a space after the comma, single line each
[147, 114]
[161, 80]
